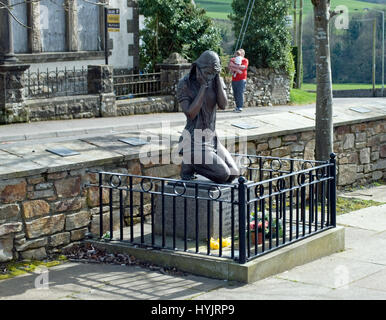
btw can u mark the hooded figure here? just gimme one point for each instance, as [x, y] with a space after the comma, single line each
[199, 93]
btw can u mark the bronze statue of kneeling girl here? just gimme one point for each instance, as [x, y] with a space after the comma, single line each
[199, 93]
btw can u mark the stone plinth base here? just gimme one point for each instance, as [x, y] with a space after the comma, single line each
[210, 211]
[12, 106]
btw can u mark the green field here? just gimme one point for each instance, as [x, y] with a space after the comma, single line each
[341, 86]
[301, 97]
[219, 9]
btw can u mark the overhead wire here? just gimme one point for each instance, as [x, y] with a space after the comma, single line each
[244, 26]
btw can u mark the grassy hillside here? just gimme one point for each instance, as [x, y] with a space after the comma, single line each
[219, 9]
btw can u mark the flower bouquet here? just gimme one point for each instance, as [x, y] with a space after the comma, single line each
[252, 229]
[279, 223]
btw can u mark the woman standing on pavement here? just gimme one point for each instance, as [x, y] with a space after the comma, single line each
[239, 78]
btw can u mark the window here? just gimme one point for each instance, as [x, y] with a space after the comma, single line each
[53, 25]
[20, 33]
[88, 26]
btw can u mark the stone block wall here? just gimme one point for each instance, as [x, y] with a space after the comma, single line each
[43, 213]
[145, 105]
[265, 87]
[361, 150]
[64, 108]
[12, 107]
[93, 106]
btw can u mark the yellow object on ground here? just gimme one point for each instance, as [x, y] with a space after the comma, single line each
[215, 244]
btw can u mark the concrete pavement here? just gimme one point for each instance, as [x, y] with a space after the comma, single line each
[64, 130]
[358, 272]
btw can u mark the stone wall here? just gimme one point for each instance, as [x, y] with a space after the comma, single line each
[64, 108]
[145, 105]
[265, 87]
[42, 213]
[361, 150]
[12, 107]
[92, 106]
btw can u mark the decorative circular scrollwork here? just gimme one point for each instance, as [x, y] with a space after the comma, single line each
[142, 185]
[112, 184]
[259, 191]
[244, 161]
[301, 179]
[280, 185]
[278, 166]
[305, 163]
[183, 185]
[320, 173]
[250, 161]
[210, 193]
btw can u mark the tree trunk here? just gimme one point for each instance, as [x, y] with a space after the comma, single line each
[323, 122]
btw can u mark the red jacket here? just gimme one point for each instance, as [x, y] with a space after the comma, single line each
[235, 69]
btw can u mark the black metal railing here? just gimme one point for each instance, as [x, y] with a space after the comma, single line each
[55, 83]
[137, 85]
[280, 201]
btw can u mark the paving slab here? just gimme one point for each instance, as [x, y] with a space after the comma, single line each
[11, 164]
[366, 248]
[286, 122]
[88, 153]
[372, 218]
[272, 288]
[112, 143]
[331, 272]
[376, 281]
[354, 293]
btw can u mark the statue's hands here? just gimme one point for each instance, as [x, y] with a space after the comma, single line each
[219, 82]
[200, 78]
[205, 79]
[217, 78]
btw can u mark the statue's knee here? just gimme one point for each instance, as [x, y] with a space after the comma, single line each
[187, 171]
[223, 175]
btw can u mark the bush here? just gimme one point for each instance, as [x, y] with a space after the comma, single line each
[175, 26]
[267, 40]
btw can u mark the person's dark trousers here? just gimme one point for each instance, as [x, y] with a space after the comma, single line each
[238, 92]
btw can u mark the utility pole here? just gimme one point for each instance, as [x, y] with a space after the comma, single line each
[374, 53]
[383, 46]
[383, 52]
[295, 24]
[300, 48]
[106, 11]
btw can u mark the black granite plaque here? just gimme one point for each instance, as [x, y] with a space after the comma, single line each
[63, 152]
[133, 141]
[245, 126]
